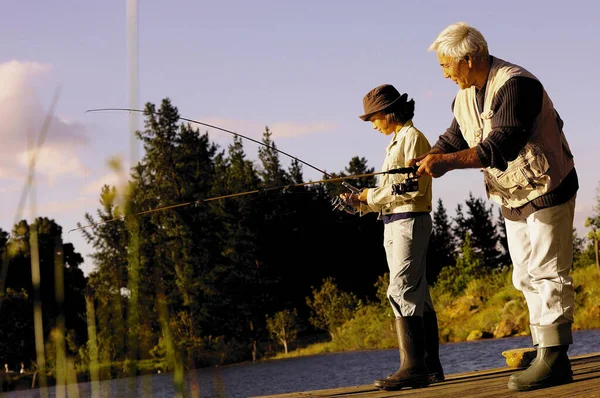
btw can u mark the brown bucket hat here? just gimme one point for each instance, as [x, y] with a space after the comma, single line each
[379, 99]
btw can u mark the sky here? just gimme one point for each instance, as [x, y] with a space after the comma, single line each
[299, 67]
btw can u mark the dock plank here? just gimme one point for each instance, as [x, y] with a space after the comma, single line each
[478, 384]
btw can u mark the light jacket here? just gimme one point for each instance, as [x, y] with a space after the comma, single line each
[406, 144]
[542, 163]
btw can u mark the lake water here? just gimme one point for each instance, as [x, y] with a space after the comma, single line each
[315, 372]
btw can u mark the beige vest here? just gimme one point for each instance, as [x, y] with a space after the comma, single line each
[544, 161]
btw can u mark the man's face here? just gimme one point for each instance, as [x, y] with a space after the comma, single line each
[380, 124]
[460, 72]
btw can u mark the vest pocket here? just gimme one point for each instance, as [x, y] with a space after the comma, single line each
[524, 179]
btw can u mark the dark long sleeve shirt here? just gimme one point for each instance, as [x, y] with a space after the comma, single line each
[516, 106]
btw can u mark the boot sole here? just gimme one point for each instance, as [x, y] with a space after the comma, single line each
[399, 386]
[529, 387]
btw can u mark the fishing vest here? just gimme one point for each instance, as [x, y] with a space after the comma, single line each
[543, 162]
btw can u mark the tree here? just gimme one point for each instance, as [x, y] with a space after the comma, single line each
[282, 327]
[110, 241]
[441, 248]
[593, 223]
[455, 279]
[504, 259]
[243, 280]
[16, 335]
[19, 280]
[272, 174]
[330, 307]
[480, 225]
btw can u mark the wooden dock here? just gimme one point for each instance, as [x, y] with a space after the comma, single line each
[488, 383]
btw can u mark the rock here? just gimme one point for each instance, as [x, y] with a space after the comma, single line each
[519, 357]
[445, 335]
[475, 335]
[505, 328]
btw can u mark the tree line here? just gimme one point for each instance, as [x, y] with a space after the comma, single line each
[225, 280]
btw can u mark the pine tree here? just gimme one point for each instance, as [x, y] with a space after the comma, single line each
[504, 259]
[479, 223]
[271, 173]
[440, 252]
[19, 280]
[109, 277]
[241, 279]
[593, 223]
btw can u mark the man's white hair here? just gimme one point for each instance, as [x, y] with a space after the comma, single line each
[459, 40]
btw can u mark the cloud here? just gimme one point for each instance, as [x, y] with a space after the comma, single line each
[255, 129]
[115, 175]
[111, 178]
[21, 118]
[52, 162]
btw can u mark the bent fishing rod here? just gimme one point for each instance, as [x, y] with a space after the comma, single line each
[338, 203]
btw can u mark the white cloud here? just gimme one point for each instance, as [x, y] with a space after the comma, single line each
[111, 178]
[53, 162]
[115, 175]
[21, 118]
[52, 209]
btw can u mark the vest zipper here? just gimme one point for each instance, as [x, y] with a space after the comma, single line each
[529, 180]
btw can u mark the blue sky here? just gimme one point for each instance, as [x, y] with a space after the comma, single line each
[299, 67]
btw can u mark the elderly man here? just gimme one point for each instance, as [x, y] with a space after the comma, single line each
[505, 124]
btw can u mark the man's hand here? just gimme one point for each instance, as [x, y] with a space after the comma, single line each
[415, 161]
[435, 165]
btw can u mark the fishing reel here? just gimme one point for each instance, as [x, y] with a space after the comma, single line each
[346, 205]
[411, 184]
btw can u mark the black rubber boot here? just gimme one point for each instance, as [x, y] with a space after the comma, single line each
[412, 372]
[551, 366]
[432, 347]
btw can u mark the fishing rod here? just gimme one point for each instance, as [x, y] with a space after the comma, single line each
[338, 203]
[410, 184]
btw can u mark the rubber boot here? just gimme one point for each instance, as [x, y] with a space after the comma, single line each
[551, 366]
[432, 347]
[412, 372]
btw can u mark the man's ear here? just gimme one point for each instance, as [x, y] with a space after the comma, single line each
[469, 60]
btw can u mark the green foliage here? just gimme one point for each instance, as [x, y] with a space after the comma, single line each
[454, 279]
[370, 328]
[593, 223]
[479, 224]
[586, 280]
[330, 307]
[440, 251]
[16, 335]
[19, 281]
[282, 327]
[381, 287]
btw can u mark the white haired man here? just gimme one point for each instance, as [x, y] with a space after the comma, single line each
[505, 124]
